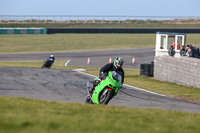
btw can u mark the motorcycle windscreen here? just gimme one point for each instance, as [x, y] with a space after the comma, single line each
[116, 76]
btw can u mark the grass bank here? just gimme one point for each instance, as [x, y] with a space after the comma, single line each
[132, 77]
[21, 115]
[77, 42]
[73, 42]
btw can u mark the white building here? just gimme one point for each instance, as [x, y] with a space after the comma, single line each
[164, 40]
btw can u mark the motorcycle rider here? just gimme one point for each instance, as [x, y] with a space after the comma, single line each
[51, 58]
[114, 66]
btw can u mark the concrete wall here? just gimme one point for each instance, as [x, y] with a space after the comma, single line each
[183, 71]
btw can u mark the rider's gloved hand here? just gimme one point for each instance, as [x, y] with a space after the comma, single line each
[103, 75]
[99, 79]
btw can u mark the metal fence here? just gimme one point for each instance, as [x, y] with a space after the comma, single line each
[98, 19]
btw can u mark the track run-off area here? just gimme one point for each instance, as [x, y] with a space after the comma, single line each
[67, 85]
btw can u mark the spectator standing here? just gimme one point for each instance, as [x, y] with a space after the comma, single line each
[195, 54]
[198, 52]
[183, 51]
[187, 47]
[171, 51]
[189, 53]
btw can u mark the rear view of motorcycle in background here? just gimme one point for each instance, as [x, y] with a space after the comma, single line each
[47, 63]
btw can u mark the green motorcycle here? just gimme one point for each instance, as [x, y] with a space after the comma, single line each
[106, 89]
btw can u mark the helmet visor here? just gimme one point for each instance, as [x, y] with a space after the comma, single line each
[118, 65]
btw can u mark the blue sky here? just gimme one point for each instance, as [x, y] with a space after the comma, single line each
[101, 7]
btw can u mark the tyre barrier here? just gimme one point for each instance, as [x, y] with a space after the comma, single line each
[95, 30]
[121, 30]
[147, 69]
[22, 30]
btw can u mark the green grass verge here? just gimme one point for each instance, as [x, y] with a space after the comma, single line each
[22, 115]
[73, 42]
[132, 77]
[77, 42]
[38, 64]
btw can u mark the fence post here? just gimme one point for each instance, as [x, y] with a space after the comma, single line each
[110, 19]
[16, 19]
[153, 19]
[23, 19]
[85, 19]
[170, 20]
[76, 19]
[93, 20]
[136, 19]
[119, 20]
[68, 19]
[102, 20]
[196, 20]
[145, 19]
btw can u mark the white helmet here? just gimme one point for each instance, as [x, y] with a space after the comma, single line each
[51, 55]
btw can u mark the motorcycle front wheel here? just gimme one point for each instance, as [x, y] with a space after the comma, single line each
[105, 96]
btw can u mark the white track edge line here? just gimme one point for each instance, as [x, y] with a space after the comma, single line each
[136, 88]
[67, 62]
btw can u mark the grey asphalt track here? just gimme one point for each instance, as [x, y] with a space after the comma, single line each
[97, 58]
[69, 86]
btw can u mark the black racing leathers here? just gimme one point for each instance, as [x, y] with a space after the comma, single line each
[111, 67]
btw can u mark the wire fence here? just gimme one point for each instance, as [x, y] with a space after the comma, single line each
[98, 19]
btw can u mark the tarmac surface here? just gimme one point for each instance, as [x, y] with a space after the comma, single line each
[69, 85]
[97, 58]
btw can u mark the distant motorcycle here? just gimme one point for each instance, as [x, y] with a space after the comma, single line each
[47, 63]
[106, 89]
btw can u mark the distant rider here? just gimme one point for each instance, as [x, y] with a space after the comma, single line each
[114, 66]
[51, 58]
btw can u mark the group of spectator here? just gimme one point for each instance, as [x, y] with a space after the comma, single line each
[189, 51]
